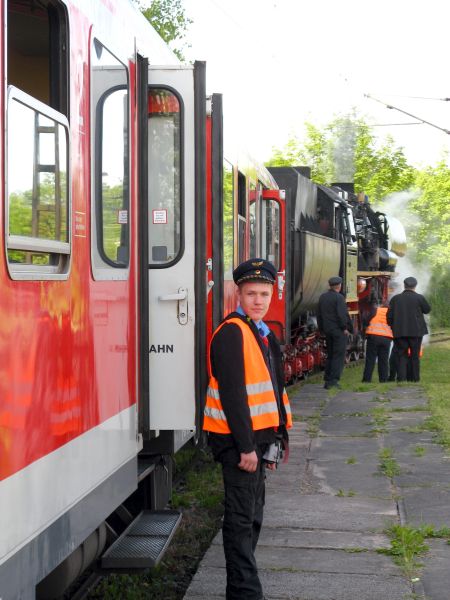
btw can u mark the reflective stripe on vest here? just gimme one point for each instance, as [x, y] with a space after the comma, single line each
[287, 408]
[378, 325]
[261, 397]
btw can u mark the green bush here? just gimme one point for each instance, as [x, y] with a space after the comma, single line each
[439, 296]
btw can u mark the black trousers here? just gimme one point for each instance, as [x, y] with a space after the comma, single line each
[408, 349]
[377, 348]
[242, 521]
[336, 347]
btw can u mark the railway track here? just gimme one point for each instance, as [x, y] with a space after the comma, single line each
[439, 336]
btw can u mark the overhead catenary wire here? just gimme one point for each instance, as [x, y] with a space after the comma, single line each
[447, 131]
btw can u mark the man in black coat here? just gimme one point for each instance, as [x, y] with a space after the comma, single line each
[405, 316]
[335, 324]
[242, 452]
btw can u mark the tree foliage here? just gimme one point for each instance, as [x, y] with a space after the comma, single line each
[432, 208]
[169, 19]
[346, 150]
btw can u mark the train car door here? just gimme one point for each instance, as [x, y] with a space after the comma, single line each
[273, 248]
[176, 266]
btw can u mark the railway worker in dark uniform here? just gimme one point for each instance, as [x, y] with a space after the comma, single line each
[405, 316]
[379, 337]
[335, 324]
[247, 415]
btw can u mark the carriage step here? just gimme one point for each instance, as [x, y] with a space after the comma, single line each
[144, 542]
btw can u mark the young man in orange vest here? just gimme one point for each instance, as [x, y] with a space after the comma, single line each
[247, 415]
[379, 337]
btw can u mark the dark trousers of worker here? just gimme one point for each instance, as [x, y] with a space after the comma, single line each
[336, 347]
[393, 363]
[408, 349]
[377, 349]
[242, 521]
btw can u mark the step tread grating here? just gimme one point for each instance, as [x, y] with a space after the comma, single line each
[143, 543]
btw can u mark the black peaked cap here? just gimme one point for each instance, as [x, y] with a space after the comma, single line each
[255, 269]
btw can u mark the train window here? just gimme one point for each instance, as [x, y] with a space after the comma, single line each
[38, 234]
[242, 195]
[109, 88]
[38, 51]
[228, 212]
[270, 227]
[253, 214]
[164, 176]
[242, 216]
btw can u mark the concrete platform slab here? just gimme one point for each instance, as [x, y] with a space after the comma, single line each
[436, 573]
[432, 470]
[346, 426]
[321, 511]
[334, 448]
[311, 559]
[293, 537]
[307, 586]
[427, 506]
[363, 479]
[349, 406]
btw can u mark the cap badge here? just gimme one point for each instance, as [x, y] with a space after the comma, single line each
[257, 272]
[257, 264]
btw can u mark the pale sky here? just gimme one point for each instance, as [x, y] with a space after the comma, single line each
[279, 63]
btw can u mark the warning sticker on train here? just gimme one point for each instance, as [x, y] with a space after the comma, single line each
[159, 216]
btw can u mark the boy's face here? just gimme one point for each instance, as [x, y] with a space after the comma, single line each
[254, 298]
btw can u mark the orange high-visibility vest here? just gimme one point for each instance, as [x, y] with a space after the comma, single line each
[261, 397]
[378, 325]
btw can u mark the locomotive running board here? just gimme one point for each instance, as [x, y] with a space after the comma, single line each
[143, 543]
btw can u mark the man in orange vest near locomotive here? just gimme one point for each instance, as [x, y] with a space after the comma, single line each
[247, 415]
[379, 337]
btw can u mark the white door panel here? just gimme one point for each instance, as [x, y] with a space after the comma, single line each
[172, 249]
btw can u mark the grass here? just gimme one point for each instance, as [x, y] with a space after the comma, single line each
[199, 496]
[435, 379]
[408, 544]
[388, 465]
[344, 494]
[419, 450]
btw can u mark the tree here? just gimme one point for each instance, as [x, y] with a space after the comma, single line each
[170, 21]
[346, 150]
[431, 233]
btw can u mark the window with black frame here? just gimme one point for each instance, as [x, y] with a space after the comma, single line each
[109, 82]
[37, 184]
[164, 177]
[228, 220]
[271, 232]
[37, 141]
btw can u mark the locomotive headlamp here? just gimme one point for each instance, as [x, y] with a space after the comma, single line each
[361, 285]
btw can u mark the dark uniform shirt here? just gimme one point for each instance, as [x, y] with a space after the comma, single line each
[405, 314]
[332, 313]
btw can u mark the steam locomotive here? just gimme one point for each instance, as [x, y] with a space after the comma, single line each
[123, 218]
[332, 231]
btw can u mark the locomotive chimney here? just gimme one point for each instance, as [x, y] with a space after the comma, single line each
[347, 187]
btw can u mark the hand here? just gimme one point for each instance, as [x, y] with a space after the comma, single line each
[271, 466]
[249, 461]
[346, 331]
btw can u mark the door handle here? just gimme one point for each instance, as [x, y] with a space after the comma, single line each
[169, 297]
[181, 298]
